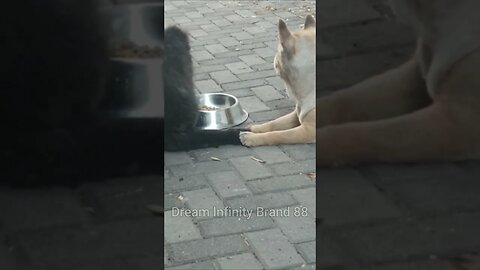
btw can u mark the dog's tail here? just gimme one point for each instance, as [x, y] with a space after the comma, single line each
[197, 139]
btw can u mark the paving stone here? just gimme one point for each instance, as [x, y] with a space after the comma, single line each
[266, 201]
[245, 13]
[242, 36]
[276, 82]
[271, 154]
[265, 52]
[252, 104]
[216, 48]
[249, 168]
[181, 19]
[222, 152]
[257, 75]
[208, 86]
[199, 266]
[265, 24]
[273, 249]
[221, 22]
[201, 77]
[228, 184]
[184, 183]
[238, 68]
[171, 200]
[204, 10]
[176, 158]
[280, 183]
[215, 5]
[234, 224]
[298, 225]
[267, 93]
[203, 201]
[34, 209]
[233, 18]
[241, 93]
[206, 248]
[306, 166]
[306, 197]
[210, 27]
[201, 55]
[233, 55]
[252, 59]
[198, 33]
[265, 116]
[193, 15]
[200, 168]
[307, 250]
[254, 29]
[224, 76]
[243, 84]
[179, 228]
[229, 41]
[245, 261]
[300, 151]
[207, 69]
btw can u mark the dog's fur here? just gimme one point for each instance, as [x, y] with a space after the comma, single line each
[295, 63]
[428, 109]
[181, 108]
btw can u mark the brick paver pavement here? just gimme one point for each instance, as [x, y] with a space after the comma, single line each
[370, 217]
[233, 46]
[374, 217]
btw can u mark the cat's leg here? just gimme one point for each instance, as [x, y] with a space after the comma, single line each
[305, 133]
[393, 93]
[284, 122]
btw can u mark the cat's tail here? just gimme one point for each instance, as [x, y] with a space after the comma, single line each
[198, 139]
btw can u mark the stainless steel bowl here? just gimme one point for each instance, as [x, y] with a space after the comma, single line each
[219, 111]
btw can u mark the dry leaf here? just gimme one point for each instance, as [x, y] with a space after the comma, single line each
[258, 160]
[156, 209]
[215, 158]
[312, 176]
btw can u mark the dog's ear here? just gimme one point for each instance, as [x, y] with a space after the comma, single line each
[309, 22]
[284, 34]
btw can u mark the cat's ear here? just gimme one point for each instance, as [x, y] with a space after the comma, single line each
[284, 34]
[309, 22]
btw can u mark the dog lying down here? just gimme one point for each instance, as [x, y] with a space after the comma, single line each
[428, 109]
[295, 62]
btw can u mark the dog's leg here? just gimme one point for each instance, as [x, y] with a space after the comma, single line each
[282, 123]
[446, 130]
[390, 94]
[305, 133]
[439, 132]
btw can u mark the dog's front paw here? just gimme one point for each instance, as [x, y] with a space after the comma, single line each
[247, 138]
[257, 128]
